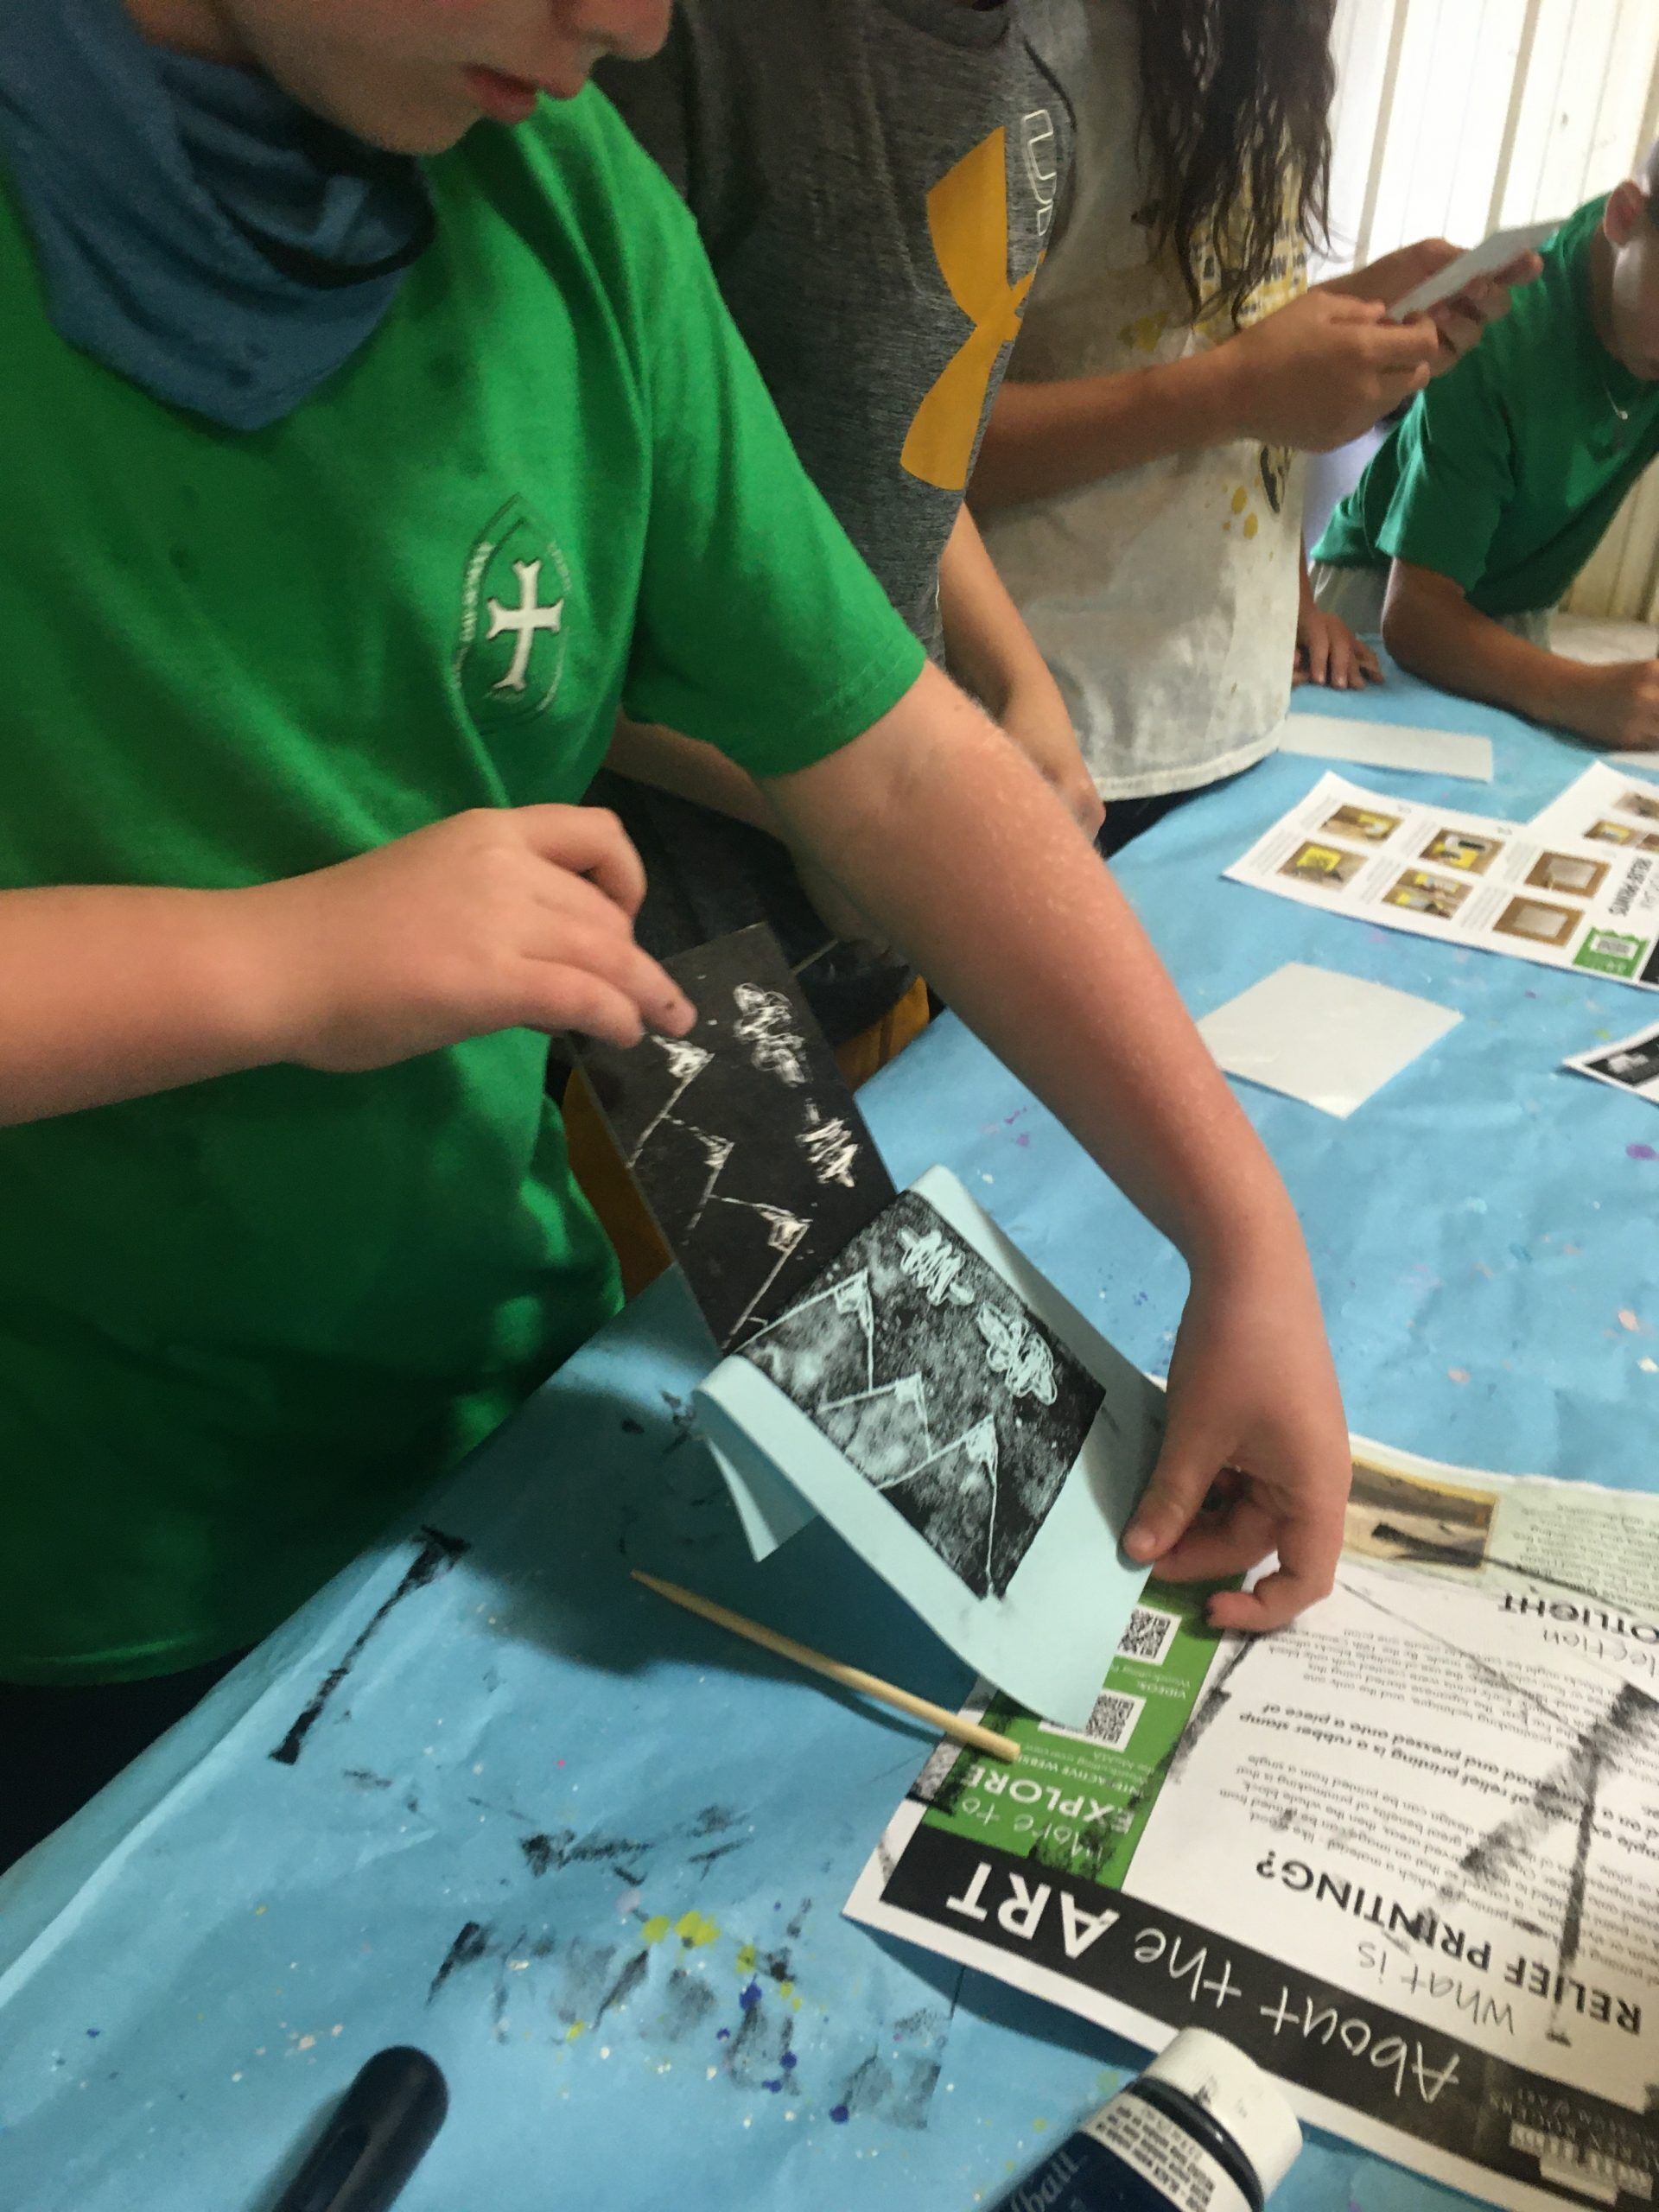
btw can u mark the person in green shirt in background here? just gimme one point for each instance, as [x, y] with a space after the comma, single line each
[1473, 520]
[371, 430]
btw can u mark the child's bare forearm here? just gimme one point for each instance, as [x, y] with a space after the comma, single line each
[946, 837]
[501, 918]
[1430, 627]
[989, 649]
[111, 993]
[1044, 438]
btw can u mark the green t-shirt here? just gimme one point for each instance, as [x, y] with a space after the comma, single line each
[241, 1323]
[1504, 473]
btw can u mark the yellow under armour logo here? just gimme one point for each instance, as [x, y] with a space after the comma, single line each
[967, 220]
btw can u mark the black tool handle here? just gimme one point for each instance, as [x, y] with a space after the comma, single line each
[382, 2131]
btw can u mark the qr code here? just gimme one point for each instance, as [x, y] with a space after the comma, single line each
[1110, 1725]
[1148, 1636]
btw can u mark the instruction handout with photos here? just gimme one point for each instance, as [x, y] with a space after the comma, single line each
[1404, 1852]
[1632, 1064]
[1603, 806]
[1588, 901]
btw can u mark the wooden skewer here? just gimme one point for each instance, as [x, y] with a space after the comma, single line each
[852, 1678]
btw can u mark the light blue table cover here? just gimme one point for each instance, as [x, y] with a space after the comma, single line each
[591, 1855]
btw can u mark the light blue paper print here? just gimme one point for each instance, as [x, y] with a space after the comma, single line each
[964, 1430]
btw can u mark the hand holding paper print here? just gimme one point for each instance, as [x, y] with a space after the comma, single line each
[1252, 1392]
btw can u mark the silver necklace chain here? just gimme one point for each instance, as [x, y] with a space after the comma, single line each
[1623, 413]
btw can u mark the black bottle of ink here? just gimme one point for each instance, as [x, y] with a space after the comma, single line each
[1202, 2130]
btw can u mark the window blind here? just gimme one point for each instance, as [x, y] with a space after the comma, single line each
[1455, 117]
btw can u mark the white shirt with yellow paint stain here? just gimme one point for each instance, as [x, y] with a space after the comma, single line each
[1165, 597]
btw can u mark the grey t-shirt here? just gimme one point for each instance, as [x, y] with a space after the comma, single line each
[875, 181]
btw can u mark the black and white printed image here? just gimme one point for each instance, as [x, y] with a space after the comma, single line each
[742, 1137]
[1635, 1065]
[931, 1376]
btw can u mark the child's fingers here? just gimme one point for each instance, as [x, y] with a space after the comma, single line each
[1461, 324]
[558, 997]
[1398, 347]
[621, 969]
[588, 840]
[1366, 662]
[613, 956]
[1218, 1545]
[1309, 1544]
[1317, 646]
[577, 902]
[1188, 1467]
[1525, 268]
[1276, 1599]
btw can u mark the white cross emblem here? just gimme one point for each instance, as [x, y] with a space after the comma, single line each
[526, 621]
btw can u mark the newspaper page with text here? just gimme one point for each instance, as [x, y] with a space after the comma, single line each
[1405, 1853]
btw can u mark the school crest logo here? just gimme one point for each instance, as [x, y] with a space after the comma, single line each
[510, 654]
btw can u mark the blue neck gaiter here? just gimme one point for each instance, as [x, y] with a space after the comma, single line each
[197, 229]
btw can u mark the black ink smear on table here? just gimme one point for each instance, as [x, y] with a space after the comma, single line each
[552, 1851]
[743, 1138]
[437, 1554]
[469, 1946]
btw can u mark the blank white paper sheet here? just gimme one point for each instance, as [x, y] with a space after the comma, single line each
[1388, 745]
[1483, 260]
[1330, 1039]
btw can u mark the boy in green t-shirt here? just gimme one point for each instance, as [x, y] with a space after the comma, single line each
[1486, 501]
[346, 497]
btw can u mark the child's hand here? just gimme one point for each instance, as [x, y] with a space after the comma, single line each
[1255, 1427]
[1327, 651]
[1618, 706]
[1460, 321]
[1464, 320]
[521, 918]
[1041, 727]
[1320, 372]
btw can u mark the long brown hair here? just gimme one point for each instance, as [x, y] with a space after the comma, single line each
[1236, 116]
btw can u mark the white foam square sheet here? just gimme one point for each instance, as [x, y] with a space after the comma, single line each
[1330, 1039]
[1388, 745]
[1485, 259]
